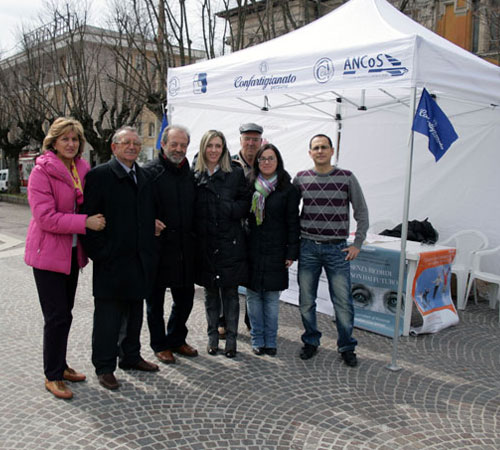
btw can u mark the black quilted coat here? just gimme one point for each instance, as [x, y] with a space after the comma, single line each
[222, 201]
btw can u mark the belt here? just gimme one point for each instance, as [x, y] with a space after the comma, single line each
[330, 241]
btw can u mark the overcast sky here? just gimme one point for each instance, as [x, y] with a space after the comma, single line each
[16, 13]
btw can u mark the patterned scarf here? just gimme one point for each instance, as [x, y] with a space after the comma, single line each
[77, 184]
[263, 188]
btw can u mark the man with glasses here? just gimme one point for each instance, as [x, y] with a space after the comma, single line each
[174, 193]
[123, 255]
[326, 192]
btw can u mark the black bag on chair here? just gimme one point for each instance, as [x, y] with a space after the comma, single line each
[418, 230]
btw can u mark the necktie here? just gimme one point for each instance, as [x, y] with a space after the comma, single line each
[132, 175]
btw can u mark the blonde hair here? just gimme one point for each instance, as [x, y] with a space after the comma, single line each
[224, 160]
[60, 126]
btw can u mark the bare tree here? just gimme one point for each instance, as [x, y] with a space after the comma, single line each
[21, 113]
[487, 15]
[68, 67]
[255, 21]
[153, 35]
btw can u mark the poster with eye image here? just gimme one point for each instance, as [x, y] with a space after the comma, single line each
[431, 292]
[374, 286]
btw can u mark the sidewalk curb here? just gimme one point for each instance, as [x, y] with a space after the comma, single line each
[12, 198]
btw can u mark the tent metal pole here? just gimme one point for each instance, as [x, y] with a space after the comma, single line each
[404, 234]
[170, 109]
[338, 121]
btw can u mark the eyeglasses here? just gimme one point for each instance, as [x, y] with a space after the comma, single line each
[251, 139]
[270, 159]
[127, 143]
[317, 148]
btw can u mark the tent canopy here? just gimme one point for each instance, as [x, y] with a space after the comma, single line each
[353, 71]
[363, 44]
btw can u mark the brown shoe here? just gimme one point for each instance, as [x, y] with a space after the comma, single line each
[186, 350]
[59, 389]
[72, 375]
[108, 381]
[166, 356]
[142, 365]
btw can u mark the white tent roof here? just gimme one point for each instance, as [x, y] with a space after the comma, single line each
[365, 53]
[336, 52]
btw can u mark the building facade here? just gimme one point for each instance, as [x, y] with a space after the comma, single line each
[105, 79]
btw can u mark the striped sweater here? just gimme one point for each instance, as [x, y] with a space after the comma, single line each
[325, 205]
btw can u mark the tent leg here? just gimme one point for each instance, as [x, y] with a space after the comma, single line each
[404, 234]
[170, 109]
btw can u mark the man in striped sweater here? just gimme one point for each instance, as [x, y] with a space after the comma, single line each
[326, 193]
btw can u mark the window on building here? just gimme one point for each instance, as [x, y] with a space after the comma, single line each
[139, 62]
[151, 129]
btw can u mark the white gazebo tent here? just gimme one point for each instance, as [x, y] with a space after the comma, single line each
[355, 74]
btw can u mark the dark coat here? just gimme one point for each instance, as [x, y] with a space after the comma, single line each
[274, 241]
[222, 201]
[174, 195]
[124, 252]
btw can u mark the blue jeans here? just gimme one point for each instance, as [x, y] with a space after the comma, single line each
[313, 257]
[263, 309]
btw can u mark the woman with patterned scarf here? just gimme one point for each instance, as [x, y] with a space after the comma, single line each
[55, 193]
[273, 245]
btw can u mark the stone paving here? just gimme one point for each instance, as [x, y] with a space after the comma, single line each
[447, 394]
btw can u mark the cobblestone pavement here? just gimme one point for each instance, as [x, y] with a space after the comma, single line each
[447, 394]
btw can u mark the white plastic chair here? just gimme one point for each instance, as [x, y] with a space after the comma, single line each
[381, 225]
[478, 274]
[467, 242]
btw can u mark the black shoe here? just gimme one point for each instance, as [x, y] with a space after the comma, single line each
[142, 365]
[271, 351]
[308, 351]
[259, 351]
[230, 353]
[212, 350]
[349, 358]
[108, 381]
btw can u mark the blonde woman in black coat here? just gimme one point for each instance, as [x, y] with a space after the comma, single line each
[222, 200]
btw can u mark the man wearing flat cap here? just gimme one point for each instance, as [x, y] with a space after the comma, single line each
[250, 141]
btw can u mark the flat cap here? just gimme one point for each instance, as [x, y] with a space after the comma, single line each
[246, 127]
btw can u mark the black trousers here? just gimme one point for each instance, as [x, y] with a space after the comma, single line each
[228, 298]
[177, 331]
[56, 292]
[116, 333]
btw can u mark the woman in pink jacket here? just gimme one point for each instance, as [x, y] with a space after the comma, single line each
[55, 192]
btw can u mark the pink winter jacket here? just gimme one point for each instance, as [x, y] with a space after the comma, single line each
[52, 198]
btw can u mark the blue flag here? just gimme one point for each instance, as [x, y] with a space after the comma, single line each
[431, 121]
[164, 124]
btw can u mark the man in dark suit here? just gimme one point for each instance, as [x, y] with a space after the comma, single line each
[123, 256]
[174, 194]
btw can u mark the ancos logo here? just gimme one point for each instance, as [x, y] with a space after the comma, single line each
[374, 64]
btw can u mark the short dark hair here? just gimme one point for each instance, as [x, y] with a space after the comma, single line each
[283, 176]
[323, 136]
